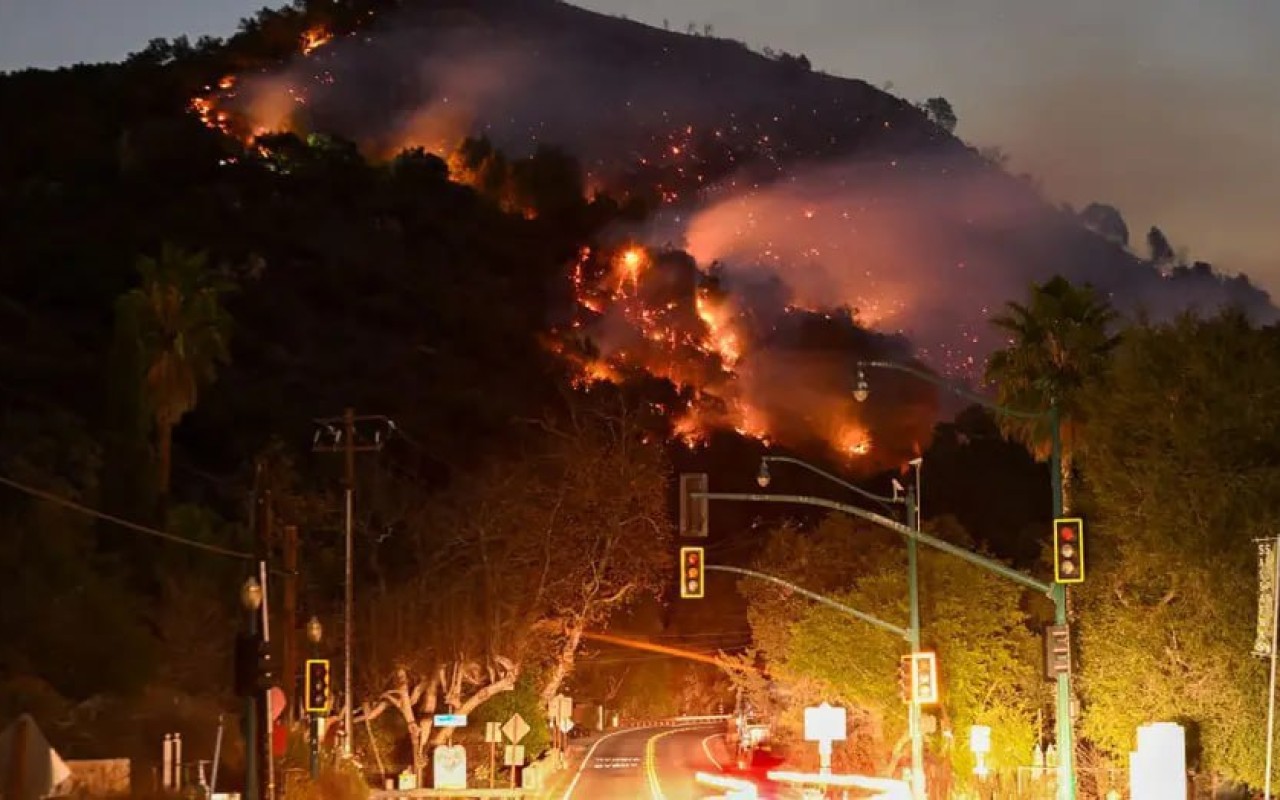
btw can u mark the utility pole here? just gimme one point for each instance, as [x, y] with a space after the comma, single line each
[330, 438]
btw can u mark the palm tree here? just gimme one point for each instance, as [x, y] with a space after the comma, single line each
[182, 330]
[1058, 343]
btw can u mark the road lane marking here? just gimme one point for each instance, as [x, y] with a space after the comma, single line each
[568, 793]
[707, 750]
[651, 763]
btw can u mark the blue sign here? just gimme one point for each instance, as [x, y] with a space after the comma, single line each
[450, 720]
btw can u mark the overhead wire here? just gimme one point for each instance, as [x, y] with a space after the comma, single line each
[124, 523]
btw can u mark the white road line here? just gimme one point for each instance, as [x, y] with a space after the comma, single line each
[707, 750]
[587, 758]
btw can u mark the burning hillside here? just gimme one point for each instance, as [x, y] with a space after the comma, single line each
[804, 220]
[781, 373]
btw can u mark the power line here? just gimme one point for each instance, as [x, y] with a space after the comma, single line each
[124, 523]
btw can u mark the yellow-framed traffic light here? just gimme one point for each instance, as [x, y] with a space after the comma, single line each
[924, 678]
[1068, 550]
[316, 691]
[693, 572]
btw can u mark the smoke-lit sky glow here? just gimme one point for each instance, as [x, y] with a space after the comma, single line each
[1165, 108]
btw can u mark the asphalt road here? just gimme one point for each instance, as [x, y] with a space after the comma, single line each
[648, 764]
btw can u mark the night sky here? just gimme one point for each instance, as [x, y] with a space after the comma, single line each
[1167, 109]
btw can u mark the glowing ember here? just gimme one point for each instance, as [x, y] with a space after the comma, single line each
[314, 38]
[630, 262]
[853, 441]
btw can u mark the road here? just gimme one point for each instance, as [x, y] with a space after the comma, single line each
[649, 764]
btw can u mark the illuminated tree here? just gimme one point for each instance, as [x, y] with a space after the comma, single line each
[1180, 477]
[1058, 342]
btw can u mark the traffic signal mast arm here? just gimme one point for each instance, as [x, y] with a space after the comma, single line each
[853, 612]
[885, 522]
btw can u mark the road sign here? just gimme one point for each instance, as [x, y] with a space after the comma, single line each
[560, 707]
[566, 724]
[450, 720]
[824, 723]
[450, 767]
[492, 732]
[515, 728]
[513, 755]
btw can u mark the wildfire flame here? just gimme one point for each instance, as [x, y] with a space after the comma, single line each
[314, 38]
[650, 313]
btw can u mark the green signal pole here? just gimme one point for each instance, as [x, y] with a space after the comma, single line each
[1066, 732]
[913, 592]
[1058, 592]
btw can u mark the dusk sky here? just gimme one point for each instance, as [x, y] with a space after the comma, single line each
[1167, 109]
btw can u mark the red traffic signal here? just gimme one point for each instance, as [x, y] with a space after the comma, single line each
[1068, 550]
[693, 570]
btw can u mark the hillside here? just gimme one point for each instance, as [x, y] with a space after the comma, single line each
[590, 211]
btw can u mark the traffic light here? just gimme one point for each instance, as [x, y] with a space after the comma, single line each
[1057, 651]
[692, 572]
[1068, 550]
[316, 690]
[255, 668]
[693, 510]
[924, 678]
[904, 678]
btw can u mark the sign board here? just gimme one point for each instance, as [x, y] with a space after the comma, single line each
[513, 755]
[560, 707]
[492, 732]
[515, 728]
[450, 720]
[566, 724]
[450, 761]
[824, 723]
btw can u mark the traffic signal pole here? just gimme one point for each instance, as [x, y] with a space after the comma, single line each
[913, 634]
[1066, 732]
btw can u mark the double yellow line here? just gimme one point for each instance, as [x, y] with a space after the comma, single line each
[651, 763]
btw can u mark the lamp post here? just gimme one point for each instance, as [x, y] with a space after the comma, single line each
[1066, 732]
[315, 632]
[251, 601]
[915, 729]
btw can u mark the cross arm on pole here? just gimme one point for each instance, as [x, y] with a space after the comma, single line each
[988, 564]
[827, 601]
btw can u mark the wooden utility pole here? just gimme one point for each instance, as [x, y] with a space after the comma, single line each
[289, 628]
[343, 440]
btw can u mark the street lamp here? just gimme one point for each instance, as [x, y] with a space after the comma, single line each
[251, 601]
[1066, 732]
[315, 632]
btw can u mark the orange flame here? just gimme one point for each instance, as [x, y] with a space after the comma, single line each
[314, 38]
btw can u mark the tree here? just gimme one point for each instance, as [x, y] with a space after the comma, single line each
[177, 311]
[820, 653]
[1180, 476]
[501, 577]
[1158, 247]
[1107, 222]
[1058, 343]
[941, 113]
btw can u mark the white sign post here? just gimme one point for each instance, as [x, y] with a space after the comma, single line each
[514, 729]
[825, 724]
